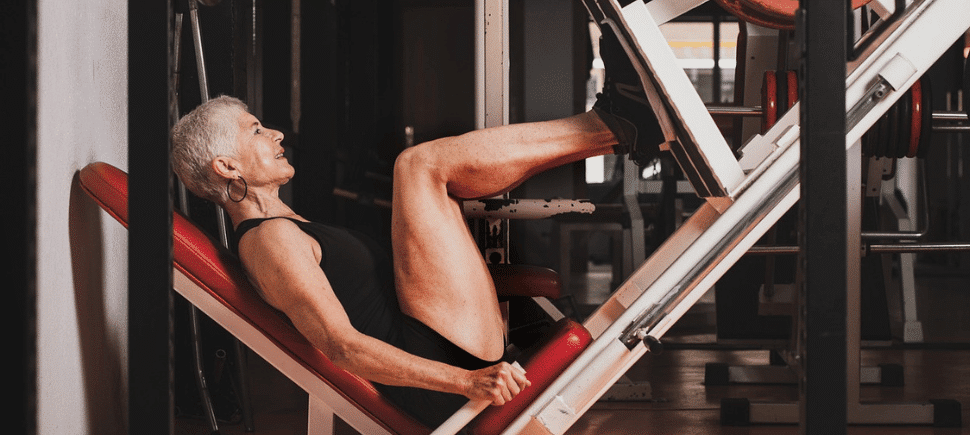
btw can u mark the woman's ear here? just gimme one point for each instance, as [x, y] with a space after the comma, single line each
[224, 166]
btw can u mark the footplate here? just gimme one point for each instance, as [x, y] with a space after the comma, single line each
[692, 136]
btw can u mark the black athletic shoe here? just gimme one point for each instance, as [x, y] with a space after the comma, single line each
[623, 98]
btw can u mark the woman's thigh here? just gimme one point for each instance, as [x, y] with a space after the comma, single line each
[441, 277]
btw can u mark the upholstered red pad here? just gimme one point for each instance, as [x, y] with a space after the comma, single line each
[217, 271]
[542, 364]
[775, 14]
[524, 280]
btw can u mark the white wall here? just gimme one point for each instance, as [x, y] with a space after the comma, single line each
[82, 253]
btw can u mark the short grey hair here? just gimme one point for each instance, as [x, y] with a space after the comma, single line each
[207, 132]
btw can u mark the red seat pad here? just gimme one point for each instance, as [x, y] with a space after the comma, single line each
[542, 363]
[216, 270]
[525, 280]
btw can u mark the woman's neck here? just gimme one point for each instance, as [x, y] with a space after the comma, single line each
[257, 206]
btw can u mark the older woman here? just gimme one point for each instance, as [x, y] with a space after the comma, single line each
[424, 324]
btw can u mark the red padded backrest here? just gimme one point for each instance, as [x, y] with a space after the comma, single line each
[216, 270]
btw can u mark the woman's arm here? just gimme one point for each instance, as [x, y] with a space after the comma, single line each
[380, 362]
[283, 262]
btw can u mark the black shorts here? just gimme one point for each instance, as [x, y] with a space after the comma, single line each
[430, 407]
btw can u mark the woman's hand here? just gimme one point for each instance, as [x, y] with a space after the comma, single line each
[497, 384]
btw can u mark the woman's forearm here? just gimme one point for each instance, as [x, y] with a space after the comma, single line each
[383, 363]
[380, 362]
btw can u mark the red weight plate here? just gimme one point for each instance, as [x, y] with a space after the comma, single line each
[787, 92]
[916, 121]
[792, 88]
[769, 101]
[926, 103]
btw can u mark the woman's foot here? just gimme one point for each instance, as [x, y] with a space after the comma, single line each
[623, 105]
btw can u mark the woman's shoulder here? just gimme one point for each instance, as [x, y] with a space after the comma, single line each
[269, 227]
[269, 233]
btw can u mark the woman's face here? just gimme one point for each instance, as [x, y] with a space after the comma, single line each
[259, 151]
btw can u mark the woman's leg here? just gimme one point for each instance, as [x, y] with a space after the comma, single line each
[442, 279]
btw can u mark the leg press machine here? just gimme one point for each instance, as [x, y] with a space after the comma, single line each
[574, 365]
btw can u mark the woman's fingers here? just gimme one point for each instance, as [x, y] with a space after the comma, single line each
[518, 373]
[510, 381]
[500, 383]
[505, 389]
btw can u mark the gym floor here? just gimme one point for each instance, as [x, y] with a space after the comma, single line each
[938, 368]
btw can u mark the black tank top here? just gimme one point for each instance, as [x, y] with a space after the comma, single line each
[359, 271]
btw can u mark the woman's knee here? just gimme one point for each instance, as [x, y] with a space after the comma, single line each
[418, 160]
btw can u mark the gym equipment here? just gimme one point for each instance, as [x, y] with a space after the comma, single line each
[741, 205]
[905, 131]
[194, 326]
[211, 278]
[774, 14]
[779, 93]
[684, 267]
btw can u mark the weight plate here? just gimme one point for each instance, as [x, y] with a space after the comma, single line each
[769, 101]
[892, 127]
[904, 122]
[873, 135]
[781, 89]
[792, 88]
[916, 119]
[926, 131]
[867, 143]
[882, 147]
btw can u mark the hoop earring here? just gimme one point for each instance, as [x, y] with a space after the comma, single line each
[245, 190]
